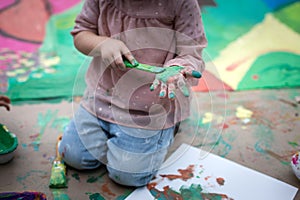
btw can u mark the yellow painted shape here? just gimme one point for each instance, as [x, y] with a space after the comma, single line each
[269, 36]
[243, 113]
[209, 117]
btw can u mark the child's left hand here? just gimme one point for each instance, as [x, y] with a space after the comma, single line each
[5, 101]
[173, 77]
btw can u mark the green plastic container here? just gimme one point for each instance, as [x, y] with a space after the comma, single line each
[8, 144]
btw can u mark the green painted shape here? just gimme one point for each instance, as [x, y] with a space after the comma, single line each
[294, 144]
[59, 42]
[76, 176]
[289, 15]
[185, 91]
[92, 179]
[273, 70]
[193, 192]
[59, 194]
[230, 20]
[125, 195]
[96, 196]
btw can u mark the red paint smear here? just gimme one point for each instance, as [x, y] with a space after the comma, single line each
[185, 174]
[20, 14]
[225, 126]
[235, 65]
[107, 190]
[215, 196]
[169, 193]
[223, 95]
[151, 185]
[220, 180]
[255, 77]
[34, 136]
[207, 177]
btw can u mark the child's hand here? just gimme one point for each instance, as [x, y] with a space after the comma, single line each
[5, 101]
[174, 77]
[112, 50]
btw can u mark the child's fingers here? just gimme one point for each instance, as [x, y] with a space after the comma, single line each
[181, 84]
[119, 63]
[193, 73]
[5, 99]
[128, 56]
[6, 105]
[154, 85]
[163, 90]
[171, 91]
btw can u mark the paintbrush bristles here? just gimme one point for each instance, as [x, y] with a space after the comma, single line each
[58, 175]
[58, 172]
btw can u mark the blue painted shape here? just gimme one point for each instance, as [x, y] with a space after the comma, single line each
[230, 20]
[275, 4]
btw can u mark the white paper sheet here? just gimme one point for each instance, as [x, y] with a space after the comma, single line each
[240, 183]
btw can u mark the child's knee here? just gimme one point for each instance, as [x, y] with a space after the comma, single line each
[76, 159]
[130, 178]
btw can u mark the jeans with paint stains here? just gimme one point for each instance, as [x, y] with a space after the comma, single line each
[132, 156]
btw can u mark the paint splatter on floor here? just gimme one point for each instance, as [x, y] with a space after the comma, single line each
[105, 188]
[95, 196]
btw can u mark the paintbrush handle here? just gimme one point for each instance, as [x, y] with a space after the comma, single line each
[58, 156]
[128, 64]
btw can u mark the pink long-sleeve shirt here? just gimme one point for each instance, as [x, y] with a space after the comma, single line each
[157, 32]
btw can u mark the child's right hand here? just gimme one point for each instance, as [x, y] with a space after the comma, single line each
[112, 51]
[5, 101]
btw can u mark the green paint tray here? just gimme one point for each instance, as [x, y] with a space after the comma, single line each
[8, 144]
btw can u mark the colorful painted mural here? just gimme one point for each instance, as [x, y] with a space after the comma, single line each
[252, 45]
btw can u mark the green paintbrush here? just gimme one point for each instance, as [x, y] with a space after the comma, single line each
[144, 67]
[158, 70]
[58, 177]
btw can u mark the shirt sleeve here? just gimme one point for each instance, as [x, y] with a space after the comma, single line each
[190, 36]
[87, 19]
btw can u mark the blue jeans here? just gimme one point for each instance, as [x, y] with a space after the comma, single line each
[132, 156]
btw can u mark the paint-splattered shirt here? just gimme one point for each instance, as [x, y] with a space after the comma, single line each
[157, 32]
